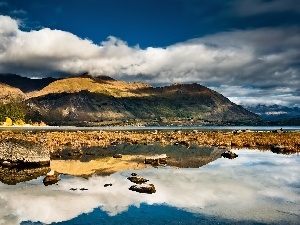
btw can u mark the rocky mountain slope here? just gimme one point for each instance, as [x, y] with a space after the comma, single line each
[8, 93]
[97, 99]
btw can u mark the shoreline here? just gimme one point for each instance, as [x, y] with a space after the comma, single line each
[284, 141]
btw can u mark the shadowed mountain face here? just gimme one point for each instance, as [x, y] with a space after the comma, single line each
[25, 84]
[86, 98]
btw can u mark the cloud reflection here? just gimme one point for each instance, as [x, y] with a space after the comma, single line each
[263, 187]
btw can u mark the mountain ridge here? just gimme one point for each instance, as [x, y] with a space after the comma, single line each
[94, 99]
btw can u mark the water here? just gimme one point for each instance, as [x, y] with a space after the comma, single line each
[255, 188]
[127, 128]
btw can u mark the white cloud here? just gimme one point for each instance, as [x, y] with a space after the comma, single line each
[263, 58]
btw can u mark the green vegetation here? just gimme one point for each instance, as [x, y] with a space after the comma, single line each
[14, 111]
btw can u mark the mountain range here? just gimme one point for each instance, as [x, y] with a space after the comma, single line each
[104, 100]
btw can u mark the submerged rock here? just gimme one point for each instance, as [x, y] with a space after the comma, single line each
[15, 152]
[144, 188]
[229, 155]
[137, 180]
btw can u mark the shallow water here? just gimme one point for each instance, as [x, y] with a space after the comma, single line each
[255, 188]
[126, 128]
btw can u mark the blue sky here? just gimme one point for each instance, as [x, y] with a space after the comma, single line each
[246, 49]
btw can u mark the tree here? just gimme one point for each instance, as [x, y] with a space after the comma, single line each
[8, 121]
[14, 110]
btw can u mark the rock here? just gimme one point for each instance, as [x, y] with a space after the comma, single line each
[137, 180]
[14, 175]
[237, 131]
[73, 189]
[229, 155]
[144, 188]
[83, 189]
[15, 152]
[157, 160]
[51, 178]
[107, 185]
[117, 156]
[133, 174]
[76, 153]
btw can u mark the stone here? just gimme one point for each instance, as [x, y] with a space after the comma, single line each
[144, 188]
[117, 156]
[15, 152]
[107, 185]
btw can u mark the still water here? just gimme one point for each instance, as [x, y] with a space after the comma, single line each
[257, 187]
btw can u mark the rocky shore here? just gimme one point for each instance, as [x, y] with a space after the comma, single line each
[17, 152]
[57, 141]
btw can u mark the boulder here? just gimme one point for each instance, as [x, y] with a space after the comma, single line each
[21, 153]
[51, 178]
[144, 188]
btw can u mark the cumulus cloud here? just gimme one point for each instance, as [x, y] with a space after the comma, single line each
[265, 58]
[254, 187]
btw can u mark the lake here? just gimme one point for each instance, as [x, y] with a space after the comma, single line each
[196, 187]
[128, 128]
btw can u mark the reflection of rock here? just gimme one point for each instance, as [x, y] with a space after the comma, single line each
[157, 160]
[51, 178]
[279, 149]
[14, 152]
[76, 153]
[13, 176]
[229, 155]
[117, 156]
[137, 180]
[143, 188]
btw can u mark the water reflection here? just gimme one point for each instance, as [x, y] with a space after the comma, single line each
[100, 161]
[256, 187]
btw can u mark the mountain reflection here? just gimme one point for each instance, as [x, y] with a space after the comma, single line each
[99, 161]
[257, 186]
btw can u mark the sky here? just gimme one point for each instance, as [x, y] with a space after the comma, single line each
[248, 50]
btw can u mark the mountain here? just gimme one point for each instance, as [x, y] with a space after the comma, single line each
[8, 93]
[274, 112]
[95, 100]
[277, 115]
[25, 84]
